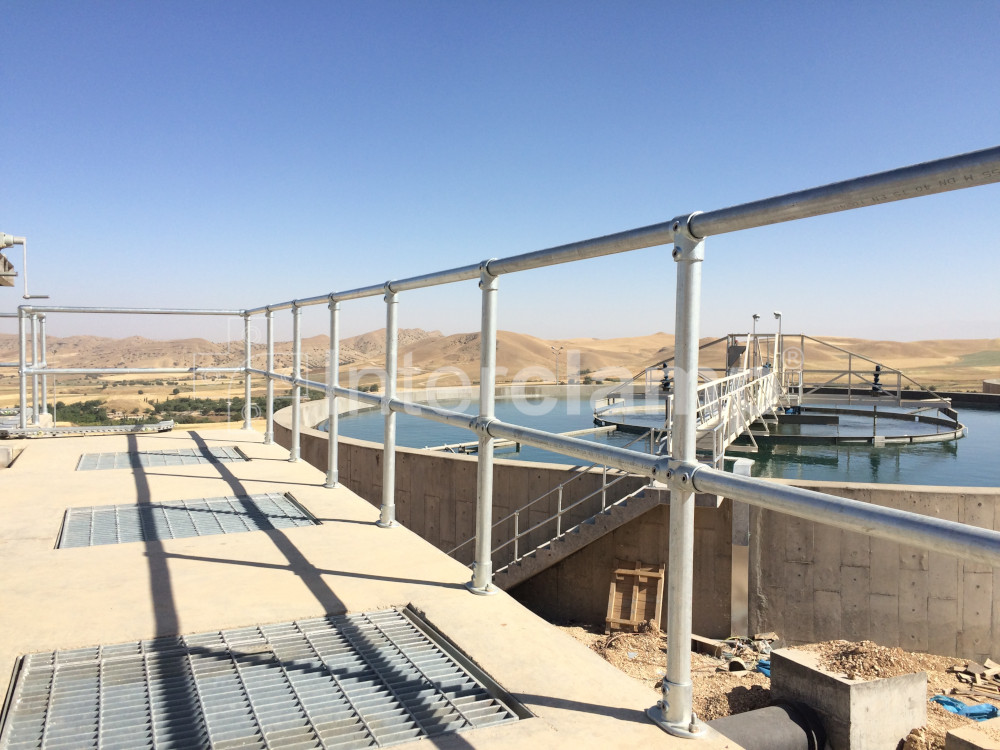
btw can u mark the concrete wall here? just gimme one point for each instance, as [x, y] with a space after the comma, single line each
[436, 492]
[810, 582]
[577, 588]
[807, 582]
[991, 386]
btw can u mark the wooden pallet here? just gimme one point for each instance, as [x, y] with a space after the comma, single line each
[636, 595]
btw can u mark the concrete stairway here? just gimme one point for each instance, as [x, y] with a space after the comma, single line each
[615, 515]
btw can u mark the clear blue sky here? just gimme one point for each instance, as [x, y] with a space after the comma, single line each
[235, 154]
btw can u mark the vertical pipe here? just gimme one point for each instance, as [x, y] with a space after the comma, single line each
[387, 517]
[44, 362]
[296, 373]
[36, 418]
[333, 380]
[559, 506]
[482, 571]
[604, 487]
[780, 347]
[673, 713]
[22, 343]
[269, 420]
[516, 533]
[850, 373]
[247, 364]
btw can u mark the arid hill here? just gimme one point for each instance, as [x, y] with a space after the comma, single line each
[950, 363]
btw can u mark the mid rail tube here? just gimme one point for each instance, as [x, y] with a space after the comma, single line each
[962, 540]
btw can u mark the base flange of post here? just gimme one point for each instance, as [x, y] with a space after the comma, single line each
[695, 730]
[488, 590]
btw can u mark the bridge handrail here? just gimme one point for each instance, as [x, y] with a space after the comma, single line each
[585, 471]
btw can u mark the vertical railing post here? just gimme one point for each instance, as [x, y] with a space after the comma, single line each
[482, 570]
[387, 515]
[559, 506]
[850, 376]
[22, 347]
[36, 418]
[44, 364]
[247, 364]
[604, 487]
[517, 532]
[294, 452]
[269, 418]
[333, 380]
[673, 713]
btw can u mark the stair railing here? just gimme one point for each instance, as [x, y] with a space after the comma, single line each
[558, 490]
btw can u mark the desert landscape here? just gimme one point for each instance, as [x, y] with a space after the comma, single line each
[432, 358]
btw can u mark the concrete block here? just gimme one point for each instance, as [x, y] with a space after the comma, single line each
[970, 738]
[857, 714]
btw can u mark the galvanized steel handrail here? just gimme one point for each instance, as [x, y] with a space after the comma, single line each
[557, 517]
[950, 537]
[681, 472]
[128, 310]
[644, 371]
[885, 369]
[129, 370]
[558, 488]
[938, 176]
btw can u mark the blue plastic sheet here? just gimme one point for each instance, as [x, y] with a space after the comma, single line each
[764, 667]
[977, 711]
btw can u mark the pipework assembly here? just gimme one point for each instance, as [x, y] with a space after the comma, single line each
[7, 272]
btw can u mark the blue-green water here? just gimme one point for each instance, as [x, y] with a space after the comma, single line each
[545, 413]
[973, 461]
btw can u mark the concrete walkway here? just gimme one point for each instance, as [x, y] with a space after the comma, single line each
[65, 598]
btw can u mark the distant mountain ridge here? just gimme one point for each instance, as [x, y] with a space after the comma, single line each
[422, 352]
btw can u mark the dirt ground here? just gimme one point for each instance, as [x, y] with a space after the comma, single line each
[720, 692]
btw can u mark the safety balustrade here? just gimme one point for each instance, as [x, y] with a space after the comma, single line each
[680, 470]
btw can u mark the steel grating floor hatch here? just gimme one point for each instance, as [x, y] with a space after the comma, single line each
[171, 457]
[351, 681]
[174, 519]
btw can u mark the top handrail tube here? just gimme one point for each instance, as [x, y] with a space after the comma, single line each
[128, 310]
[938, 176]
[928, 178]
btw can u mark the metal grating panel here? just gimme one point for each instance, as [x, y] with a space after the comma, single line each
[174, 519]
[350, 681]
[149, 459]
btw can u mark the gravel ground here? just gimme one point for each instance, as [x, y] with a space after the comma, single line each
[719, 692]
